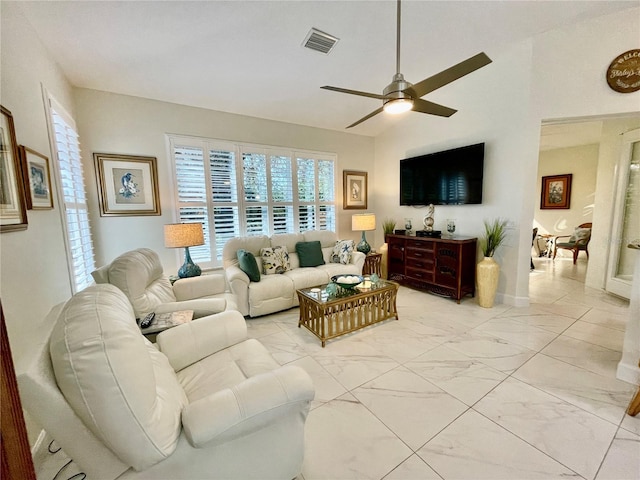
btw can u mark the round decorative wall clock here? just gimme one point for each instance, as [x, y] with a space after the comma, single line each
[623, 75]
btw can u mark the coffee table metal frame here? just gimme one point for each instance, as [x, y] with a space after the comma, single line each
[329, 316]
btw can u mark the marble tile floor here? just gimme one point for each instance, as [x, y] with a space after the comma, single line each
[461, 392]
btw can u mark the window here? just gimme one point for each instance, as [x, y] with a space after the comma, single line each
[236, 190]
[72, 195]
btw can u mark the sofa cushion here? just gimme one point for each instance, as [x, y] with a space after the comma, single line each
[116, 381]
[307, 277]
[247, 263]
[342, 251]
[275, 259]
[309, 254]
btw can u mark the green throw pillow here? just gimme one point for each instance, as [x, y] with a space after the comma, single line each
[247, 263]
[310, 254]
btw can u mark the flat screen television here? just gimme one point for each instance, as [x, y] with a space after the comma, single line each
[450, 177]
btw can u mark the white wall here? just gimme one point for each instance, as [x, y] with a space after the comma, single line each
[582, 163]
[33, 275]
[557, 75]
[485, 100]
[111, 123]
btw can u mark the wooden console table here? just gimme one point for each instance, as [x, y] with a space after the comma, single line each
[445, 266]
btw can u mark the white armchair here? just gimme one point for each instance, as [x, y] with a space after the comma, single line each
[139, 275]
[206, 403]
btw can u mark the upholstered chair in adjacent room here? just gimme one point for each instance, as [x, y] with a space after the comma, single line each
[139, 275]
[578, 241]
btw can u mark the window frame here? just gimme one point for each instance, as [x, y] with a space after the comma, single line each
[240, 149]
[77, 282]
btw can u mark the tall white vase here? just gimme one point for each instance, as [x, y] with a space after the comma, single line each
[487, 274]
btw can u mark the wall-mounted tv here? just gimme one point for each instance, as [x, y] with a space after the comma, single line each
[450, 177]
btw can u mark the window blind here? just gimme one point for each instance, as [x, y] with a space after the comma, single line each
[249, 190]
[78, 231]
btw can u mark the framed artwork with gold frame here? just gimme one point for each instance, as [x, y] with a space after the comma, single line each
[354, 190]
[13, 207]
[127, 185]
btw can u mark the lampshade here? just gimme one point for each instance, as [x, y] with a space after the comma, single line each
[363, 222]
[183, 235]
[398, 105]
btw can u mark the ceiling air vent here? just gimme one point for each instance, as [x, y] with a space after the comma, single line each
[319, 41]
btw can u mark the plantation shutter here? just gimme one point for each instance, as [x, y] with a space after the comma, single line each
[78, 231]
[326, 196]
[192, 196]
[236, 190]
[306, 194]
[224, 186]
[282, 194]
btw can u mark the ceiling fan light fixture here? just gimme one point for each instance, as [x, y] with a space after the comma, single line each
[398, 105]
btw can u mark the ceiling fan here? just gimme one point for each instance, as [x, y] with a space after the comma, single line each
[401, 96]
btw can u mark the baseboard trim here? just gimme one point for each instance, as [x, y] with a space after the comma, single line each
[628, 373]
[512, 300]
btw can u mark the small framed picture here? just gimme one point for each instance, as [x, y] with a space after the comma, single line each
[127, 185]
[13, 205]
[37, 179]
[556, 192]
[354, 190]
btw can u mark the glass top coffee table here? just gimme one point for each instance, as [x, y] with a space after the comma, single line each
[347, 310]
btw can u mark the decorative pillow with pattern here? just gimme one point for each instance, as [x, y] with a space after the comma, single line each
[275, 260]
[342, 251]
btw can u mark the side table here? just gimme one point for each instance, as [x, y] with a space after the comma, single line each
[372, 264]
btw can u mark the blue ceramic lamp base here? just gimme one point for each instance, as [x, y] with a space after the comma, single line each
[363, 246]
[188, 269]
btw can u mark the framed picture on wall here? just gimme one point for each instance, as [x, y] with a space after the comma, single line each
[354, 190]
[556, 192]
[127, 185]
[13, 206]
[37, 179]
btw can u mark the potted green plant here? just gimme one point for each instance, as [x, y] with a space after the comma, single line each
[388, 226]
[488, 270]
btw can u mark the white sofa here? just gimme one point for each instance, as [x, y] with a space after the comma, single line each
[277, 292]
[138, 273]
[205, 403]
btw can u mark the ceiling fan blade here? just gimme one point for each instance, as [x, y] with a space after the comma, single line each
[449, 75]
[354, 92]
[375, 112]
[424, 106]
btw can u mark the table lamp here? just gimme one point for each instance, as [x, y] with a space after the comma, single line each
[178, 235]
[363, 222]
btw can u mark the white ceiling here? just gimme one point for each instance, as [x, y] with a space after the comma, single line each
[246, 57]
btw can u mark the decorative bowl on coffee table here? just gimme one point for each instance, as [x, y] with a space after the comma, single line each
[347, 281]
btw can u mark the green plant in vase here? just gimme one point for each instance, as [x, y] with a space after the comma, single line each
[388, 226]
[495, 234]
[488, 270]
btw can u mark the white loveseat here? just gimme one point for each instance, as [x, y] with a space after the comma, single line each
[277, 292]
[205, 403]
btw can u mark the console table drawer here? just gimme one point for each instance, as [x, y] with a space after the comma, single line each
[420, 263]
[418, 253]
[417, 274]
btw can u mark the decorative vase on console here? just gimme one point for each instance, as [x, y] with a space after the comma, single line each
[388, 226]
[488, 270]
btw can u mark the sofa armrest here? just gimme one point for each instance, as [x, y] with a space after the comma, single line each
[239, 285]
[198, 287]
[252, 404]
[189, 343]
[357, 258]
[202, 307]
